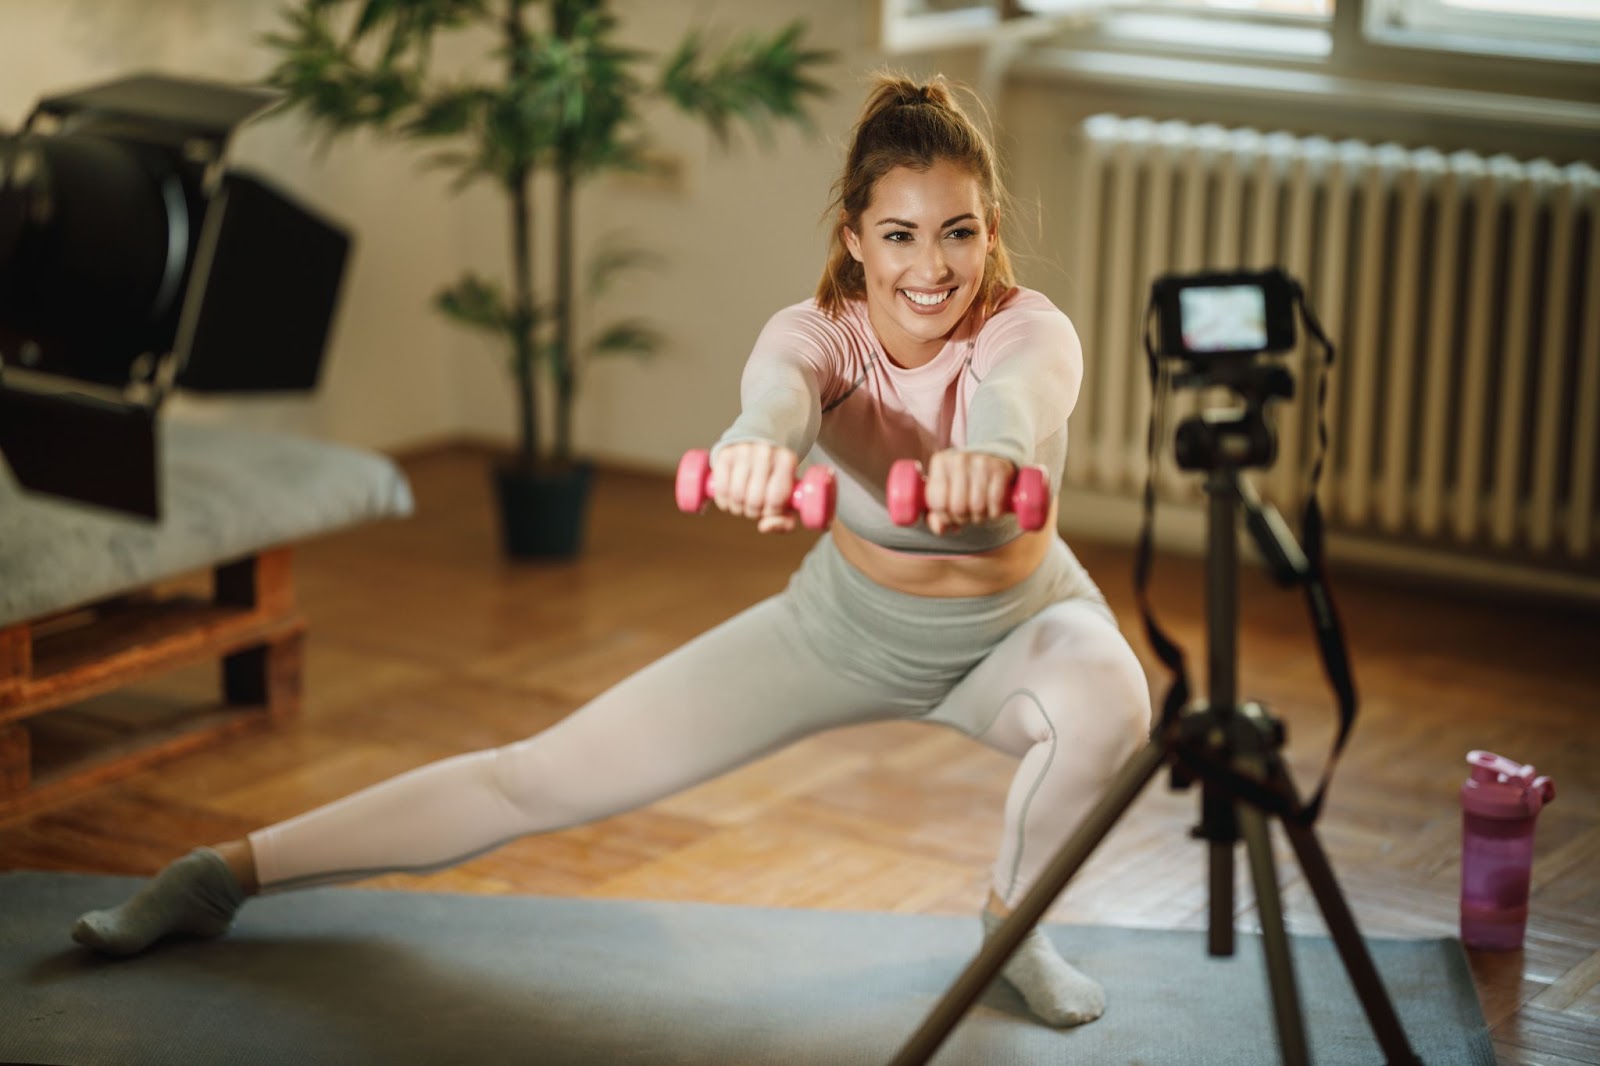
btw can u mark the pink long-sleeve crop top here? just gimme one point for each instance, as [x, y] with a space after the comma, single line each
[825, 388]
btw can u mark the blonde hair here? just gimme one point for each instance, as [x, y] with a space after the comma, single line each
[904, 124]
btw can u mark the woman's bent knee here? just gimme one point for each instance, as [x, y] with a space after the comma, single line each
[1101, 683]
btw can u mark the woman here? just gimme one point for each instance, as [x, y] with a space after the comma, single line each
[917, 344]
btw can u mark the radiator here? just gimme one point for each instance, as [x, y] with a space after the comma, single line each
[1463, 293]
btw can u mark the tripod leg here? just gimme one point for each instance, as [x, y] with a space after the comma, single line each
[1219, 935]
[1274, 941]
[1352, 949]
[1220, 827]
[983, 969]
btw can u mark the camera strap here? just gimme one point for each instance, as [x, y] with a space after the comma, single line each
[1166, 649]
[1319, 599]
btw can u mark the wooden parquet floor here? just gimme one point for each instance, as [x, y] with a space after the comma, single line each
[425, 642]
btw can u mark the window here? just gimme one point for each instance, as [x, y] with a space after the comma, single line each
[1512, 26]
[1315, 8]
[910, 25]
[1523, 30]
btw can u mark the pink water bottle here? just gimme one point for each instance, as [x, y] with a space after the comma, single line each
[1499, 806]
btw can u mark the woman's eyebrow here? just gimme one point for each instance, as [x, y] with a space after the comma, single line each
[913, 225]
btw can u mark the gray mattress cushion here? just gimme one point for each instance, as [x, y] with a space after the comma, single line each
[226, 493]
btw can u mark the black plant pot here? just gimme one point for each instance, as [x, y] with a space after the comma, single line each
[542, 512]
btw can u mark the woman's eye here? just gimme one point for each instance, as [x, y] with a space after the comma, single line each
[961, 234]
[898, 236]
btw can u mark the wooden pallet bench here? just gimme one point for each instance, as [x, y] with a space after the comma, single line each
[91, 603]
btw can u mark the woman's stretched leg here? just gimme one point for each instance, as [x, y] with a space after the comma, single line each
[1066, 695]
[731, 695]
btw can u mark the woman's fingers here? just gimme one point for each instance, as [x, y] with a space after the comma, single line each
[754, 479]
[739, 476]
[775, 502]
[965, 487]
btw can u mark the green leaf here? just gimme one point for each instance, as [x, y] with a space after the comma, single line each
[610, 262]
[634, 337]
[477, 303]
[372, 13]
[468, 168]
[594, 89]
[322, 75]
[449, 112]
[754, 81]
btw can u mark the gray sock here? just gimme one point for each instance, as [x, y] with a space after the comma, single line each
[1053, 989]
[195, 896]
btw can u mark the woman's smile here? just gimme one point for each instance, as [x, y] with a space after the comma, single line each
[927, 303]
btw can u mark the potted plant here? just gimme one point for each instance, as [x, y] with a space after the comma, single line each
[563, 100]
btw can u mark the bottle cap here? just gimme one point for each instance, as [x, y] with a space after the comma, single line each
[1503, 788]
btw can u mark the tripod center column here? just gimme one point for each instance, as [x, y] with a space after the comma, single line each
[1222, 592]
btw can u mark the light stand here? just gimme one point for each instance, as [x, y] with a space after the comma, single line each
[1232, 749]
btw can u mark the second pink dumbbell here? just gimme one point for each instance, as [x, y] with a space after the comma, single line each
[813, 497]
[1029, 497]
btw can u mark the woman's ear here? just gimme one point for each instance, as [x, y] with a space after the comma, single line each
[852, 242]
[994, 233]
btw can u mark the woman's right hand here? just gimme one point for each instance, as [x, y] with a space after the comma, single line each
[755, 479]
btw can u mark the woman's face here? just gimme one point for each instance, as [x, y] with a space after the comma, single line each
[922, 243]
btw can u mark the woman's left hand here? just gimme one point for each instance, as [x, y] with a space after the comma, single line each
[964, 487]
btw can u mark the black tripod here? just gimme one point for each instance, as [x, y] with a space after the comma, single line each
[1233, 750]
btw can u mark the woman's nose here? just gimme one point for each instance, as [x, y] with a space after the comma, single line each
[934, 263]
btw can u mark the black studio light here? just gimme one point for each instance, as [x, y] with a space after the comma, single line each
[134, 262]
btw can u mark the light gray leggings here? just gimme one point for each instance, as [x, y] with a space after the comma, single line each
[1039, 672]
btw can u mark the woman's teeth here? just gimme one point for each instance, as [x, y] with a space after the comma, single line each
[927, 299]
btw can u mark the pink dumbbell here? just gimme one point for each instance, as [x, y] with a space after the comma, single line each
[812, 499]
[1030, 494]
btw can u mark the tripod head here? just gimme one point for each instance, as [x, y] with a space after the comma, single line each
[1215, 327]
[1236, 437]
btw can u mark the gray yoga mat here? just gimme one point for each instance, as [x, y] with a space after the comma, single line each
[349, 977]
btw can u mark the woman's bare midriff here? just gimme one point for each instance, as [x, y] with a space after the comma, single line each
[979, 574]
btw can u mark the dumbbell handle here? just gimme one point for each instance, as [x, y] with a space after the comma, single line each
[1028, 497]
[813, 497]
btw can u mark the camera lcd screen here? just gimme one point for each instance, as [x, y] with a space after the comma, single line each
[1221, 315]
[1225, 318]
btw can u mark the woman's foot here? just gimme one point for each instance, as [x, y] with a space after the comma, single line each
[1052, 987]
[197, 895]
